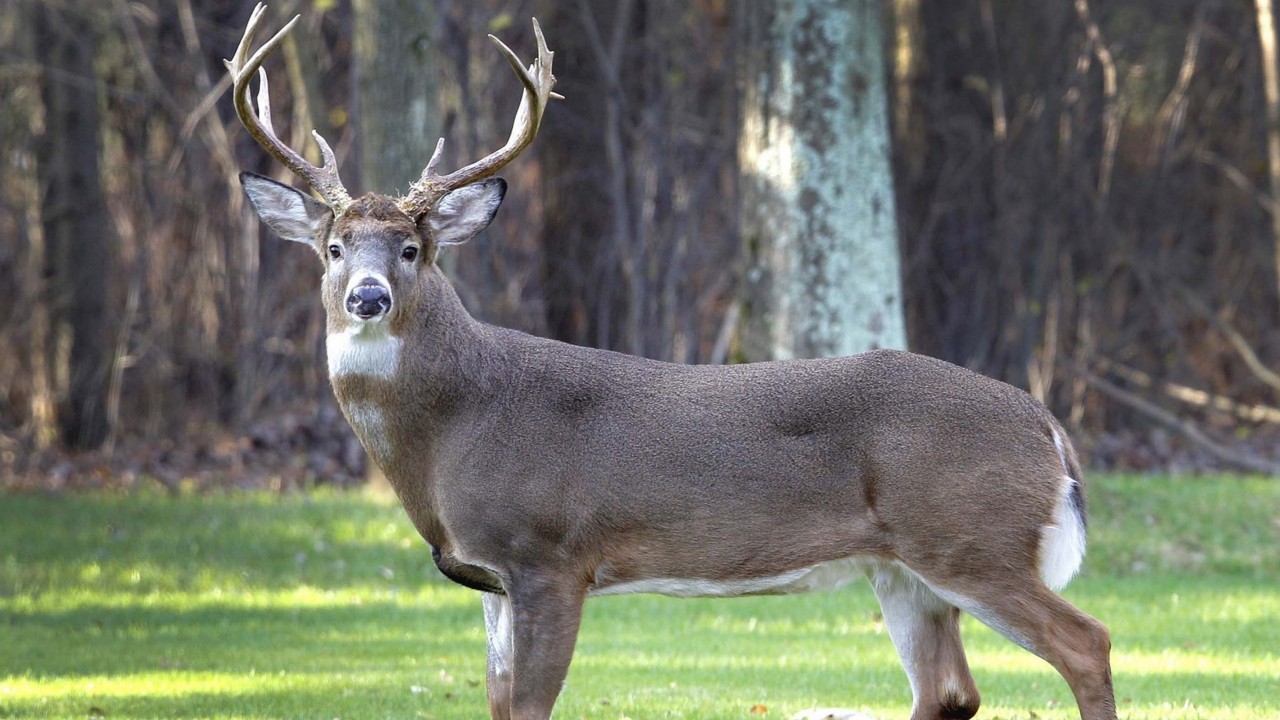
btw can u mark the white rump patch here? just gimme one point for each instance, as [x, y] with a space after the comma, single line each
[1062, 542]
[367, 348]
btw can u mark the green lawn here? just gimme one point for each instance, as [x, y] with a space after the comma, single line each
[327, 606]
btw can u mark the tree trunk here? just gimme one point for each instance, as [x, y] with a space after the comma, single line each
[395, 88]
[817, 198]
[909, 66]
[394, 77]
[580, 263]
[1271, 85]
[77, 231]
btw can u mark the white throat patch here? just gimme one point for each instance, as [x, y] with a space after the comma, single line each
[364, 349]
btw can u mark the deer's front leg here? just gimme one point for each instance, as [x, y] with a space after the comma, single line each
[497, 626]
[536, 627]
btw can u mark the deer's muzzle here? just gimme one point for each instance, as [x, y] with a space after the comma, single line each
[368, 300]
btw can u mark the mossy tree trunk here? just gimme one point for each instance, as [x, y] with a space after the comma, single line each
[817, 202]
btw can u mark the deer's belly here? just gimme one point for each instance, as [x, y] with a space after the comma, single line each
[822, 576]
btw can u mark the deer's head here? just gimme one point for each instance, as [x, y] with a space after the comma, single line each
[378, 250]
[376, 253]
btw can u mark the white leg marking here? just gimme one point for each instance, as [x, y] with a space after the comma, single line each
[366, 348]
[955, 599]
[497, 626]
[905, 602]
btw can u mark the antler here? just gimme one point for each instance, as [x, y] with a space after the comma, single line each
[324, 180]
[537, 81]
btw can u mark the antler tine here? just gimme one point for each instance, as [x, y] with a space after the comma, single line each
[264, 103]
[544, 58]
[434, 162]
[324, 180]
[537, 81]
[525, 78]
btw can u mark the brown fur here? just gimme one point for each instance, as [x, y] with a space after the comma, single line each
[544, 471]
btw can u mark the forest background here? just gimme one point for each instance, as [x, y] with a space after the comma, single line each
[1086, 196]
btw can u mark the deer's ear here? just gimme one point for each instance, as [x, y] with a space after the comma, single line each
[292, 214]
[458, 216]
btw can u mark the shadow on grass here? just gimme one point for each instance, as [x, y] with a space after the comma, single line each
[367, 701]
[146, 543]
[384, 659]
[108, 641]
[595, 689]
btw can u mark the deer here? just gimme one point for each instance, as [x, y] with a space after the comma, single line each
[542, 473]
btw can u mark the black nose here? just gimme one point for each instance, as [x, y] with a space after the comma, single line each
[368, 301]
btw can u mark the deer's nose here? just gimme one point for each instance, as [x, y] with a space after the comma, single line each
[368, 300]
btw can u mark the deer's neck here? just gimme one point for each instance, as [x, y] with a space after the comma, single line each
[404, 387]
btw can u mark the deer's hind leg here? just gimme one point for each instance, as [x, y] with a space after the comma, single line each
[926, 633]
[1038, 619]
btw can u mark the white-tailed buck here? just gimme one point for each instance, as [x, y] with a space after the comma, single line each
[542, 473]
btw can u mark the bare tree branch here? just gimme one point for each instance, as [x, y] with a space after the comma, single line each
[1193, 396]
[1111, 111]
[1188, 429]
[1271, 87]
[1242, 347]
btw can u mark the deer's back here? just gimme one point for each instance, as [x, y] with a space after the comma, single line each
[757, 454]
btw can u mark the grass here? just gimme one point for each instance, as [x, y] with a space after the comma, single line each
[326, 605]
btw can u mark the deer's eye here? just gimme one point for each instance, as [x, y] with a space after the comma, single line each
[335, 252]
[410, 253]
